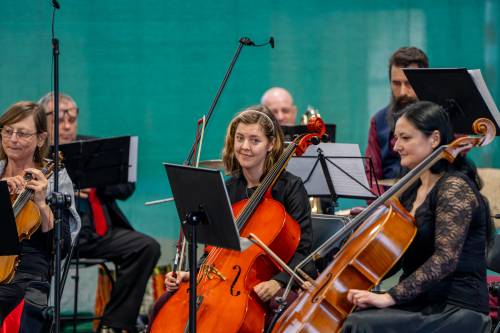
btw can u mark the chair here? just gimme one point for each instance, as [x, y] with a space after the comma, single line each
[491, 190]
[77, 262]
[324, 226]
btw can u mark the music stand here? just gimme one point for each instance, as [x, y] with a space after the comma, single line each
[9, 240]
[206, 217]
[101, 162]
[332, 170]
[290, 132]
[463, 94]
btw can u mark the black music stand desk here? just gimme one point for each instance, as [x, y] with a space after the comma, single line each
[101, 162]
[461, 92]
[206, 217]
[9, 241]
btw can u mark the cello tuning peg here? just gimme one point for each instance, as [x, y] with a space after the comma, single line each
[315, 140]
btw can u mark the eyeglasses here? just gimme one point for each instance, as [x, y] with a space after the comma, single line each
[8, 132]
[71, 113]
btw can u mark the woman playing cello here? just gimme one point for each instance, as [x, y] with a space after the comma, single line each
[23, 129]
[443, 285]
[253, 143]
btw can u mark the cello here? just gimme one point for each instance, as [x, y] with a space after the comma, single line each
[383, 232]
[28, 221]
[226, 278]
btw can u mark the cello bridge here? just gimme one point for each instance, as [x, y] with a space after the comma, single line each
[211, 272]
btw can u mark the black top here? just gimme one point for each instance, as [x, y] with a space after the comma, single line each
[290, 191]
[107, 196]
[446, 261]
[36, 252]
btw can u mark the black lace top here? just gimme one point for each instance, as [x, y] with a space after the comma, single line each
[446, 261]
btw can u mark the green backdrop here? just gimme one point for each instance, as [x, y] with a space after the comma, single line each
[151, 68]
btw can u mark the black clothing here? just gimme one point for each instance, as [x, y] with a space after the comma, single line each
[437, 318]
[134, 254]
[290, 191]
[36, 252]
[32, 276]
[443, 286]
[33, 288]
[446, 261]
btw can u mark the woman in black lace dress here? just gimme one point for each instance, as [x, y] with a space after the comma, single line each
[443, 285]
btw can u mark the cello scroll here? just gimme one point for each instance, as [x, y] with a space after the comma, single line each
[485, 133]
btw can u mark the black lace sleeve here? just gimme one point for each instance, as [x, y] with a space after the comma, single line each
[455, 204]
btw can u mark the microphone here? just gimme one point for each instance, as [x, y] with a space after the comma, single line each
[247, 41]
[56, 5]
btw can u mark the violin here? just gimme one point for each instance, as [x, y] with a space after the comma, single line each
[226, 301]
[28, 221]
[383, 232]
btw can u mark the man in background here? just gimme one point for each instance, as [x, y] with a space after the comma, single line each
[106, 233]
[280, 101]
[380, 149]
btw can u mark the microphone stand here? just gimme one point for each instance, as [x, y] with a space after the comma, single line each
[57, 200]
[189, 161]
[57, 213]
[242, 42]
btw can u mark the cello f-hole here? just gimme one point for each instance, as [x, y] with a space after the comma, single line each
[238, 268]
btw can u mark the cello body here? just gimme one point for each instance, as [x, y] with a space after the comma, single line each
[373, 250]
[226, 301]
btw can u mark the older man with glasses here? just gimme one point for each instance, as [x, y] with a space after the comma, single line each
[106, 232]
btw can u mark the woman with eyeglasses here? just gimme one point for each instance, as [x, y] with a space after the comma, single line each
[23, 129]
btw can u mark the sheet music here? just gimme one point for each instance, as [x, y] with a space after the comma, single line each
[478, 79]
[132, 159]
[348, 163]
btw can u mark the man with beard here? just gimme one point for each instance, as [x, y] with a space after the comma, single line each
[386, 163]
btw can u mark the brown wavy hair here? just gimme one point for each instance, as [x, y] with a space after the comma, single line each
[20, 111]
[264, 117]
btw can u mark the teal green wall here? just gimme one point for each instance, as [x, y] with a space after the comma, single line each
[151, 68]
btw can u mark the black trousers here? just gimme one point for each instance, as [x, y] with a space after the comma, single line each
[444, 319]
[135, 256]
[34, 289]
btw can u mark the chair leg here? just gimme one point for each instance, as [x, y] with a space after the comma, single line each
[77, 280]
